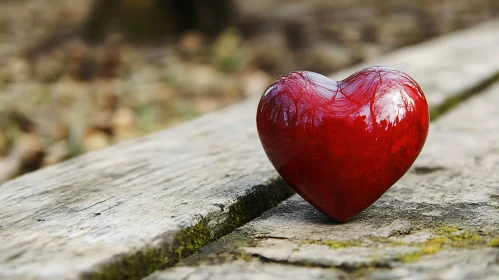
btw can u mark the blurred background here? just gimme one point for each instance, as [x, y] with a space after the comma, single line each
[80, 75]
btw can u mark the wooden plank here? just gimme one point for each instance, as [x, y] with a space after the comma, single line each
[68, 219]
[466, 137]
[250, 270]
[130, 209]
[446, 263]
[434, 223]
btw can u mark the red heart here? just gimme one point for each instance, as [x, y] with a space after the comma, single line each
[341, 145]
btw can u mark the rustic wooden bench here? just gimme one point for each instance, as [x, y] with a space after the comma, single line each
[154, 203]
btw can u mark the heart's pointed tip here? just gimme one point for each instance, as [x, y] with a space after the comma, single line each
[340, 219]
[335, 215]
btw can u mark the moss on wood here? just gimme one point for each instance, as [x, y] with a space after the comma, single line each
[140, 263]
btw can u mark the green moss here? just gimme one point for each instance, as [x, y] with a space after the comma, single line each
[444, 230]
[423, 170]
[464, 239]
[429, 247]
[386, 241]
[446, 236]
[191, 239]
[449, 236]
[438, 111]
[433, 246]
[438, 240]
[335, 244]
[356, 242]
[459, 238]
[225, 249]
[136, 265]
[254, 203]
[410, 257]
[453, 101]
[494, 242]
[340, 244]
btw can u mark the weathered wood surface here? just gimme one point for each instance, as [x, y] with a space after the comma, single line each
[68, 219]
[130, 209]
[440, 221]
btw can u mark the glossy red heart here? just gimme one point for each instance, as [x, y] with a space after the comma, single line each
[341, 145]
